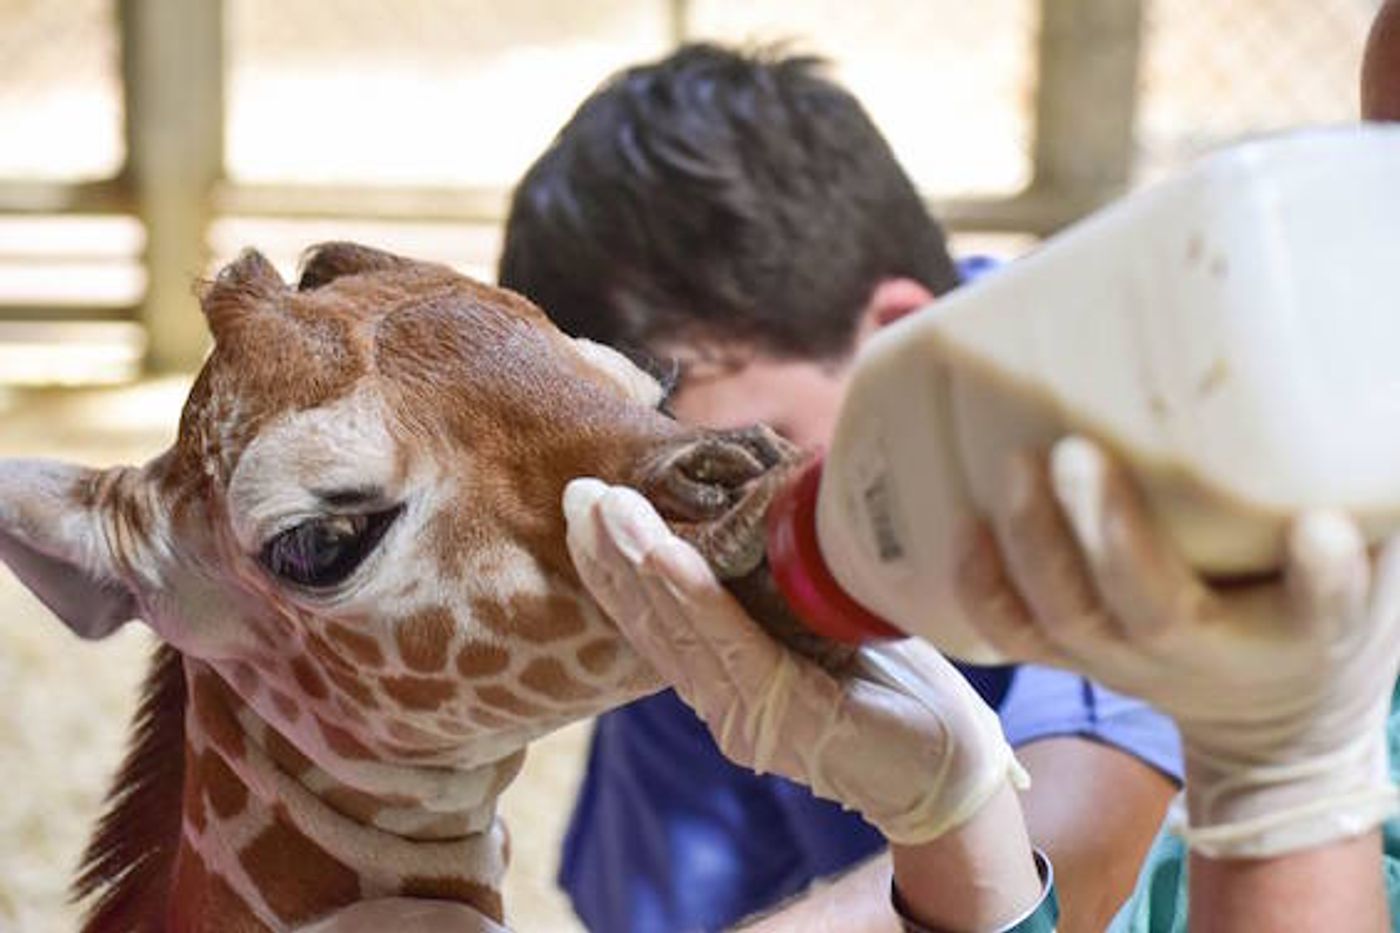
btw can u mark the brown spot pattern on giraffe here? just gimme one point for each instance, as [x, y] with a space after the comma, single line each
[363, 648]
[211, 709]
[418, 693]
[482, 659]
[548, 677]
[352, 713]
[199, 896]
[502, 699]
[308, 679]
[287, 708]
[424, 639]
[356, 804]
[296, 877]
[329, 655]
[599, 656]
[223, 789]
[457, 728]
[192, 797]
[351, 684]
[393, 751]
[284, 754]
[487, 719]
[534, 617]
[407, 732]
[342, 742]
[245, 678]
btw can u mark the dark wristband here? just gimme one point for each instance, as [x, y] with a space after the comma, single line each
[1040, 918]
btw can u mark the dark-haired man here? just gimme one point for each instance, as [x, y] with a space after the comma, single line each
[738, 216]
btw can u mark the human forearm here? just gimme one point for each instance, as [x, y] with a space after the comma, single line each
[979, 876]
[1337, 887]
[1095, 810]
[856, 902]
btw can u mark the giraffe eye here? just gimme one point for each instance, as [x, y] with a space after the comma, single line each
[324, 551]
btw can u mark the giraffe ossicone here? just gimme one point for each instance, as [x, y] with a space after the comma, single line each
[354, 556]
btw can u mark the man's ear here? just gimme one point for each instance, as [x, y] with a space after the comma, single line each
[53, 538]
[890, 300]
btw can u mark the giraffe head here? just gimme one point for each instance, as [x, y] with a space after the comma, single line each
[359, 525]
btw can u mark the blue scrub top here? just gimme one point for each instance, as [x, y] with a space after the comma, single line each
[668, 836]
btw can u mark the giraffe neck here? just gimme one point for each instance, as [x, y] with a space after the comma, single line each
[271, 839]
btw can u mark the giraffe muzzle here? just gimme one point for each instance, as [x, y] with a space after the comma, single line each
[714, 491]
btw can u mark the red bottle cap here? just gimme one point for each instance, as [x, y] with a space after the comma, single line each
[798, 568]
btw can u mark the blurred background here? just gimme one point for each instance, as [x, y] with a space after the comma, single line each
[144, 141]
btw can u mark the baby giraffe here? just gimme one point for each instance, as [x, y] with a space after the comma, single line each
[354, 555]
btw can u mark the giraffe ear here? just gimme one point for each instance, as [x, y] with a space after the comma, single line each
[54, 542]
[244, 287]
[326, 262]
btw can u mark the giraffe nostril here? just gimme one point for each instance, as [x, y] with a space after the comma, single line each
[722, 463]
[715, 492]
[708, 477]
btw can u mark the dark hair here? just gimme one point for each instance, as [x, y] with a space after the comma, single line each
[723, 195]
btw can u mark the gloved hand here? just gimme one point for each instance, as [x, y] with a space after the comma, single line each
[1280, 688]
[905, 741]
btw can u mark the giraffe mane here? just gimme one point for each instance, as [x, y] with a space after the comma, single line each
[129, 862]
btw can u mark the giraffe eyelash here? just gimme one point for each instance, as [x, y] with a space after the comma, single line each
[322, 552]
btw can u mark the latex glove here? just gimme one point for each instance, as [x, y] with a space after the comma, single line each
[1280, 688]
[906, 742]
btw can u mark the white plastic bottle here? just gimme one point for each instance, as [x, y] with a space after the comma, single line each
[1233, 334]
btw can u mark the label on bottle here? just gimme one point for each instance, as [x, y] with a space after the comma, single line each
[878, 503]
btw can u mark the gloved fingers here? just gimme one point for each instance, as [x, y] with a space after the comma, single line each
[616, 581]
[1385, 591]
[1141, 579]
[916, 669]
[913, 667]
[991, 604]
[1384, 609]
[1043, 557]
[605, 571]
[741, 658]
[910, 663]
[1327, 572]
[694, 632]
[696, 605]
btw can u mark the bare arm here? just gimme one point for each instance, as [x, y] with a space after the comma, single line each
[856, 902]
[1094, 810]
[1337, 887]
